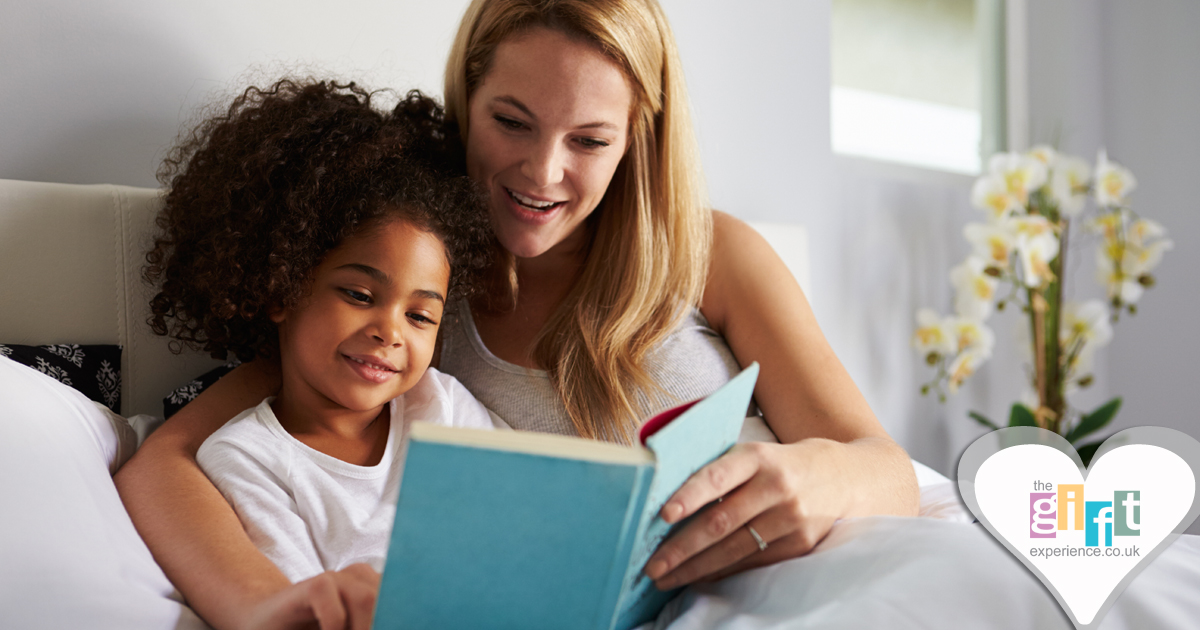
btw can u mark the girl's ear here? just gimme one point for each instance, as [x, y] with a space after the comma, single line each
[277, 314]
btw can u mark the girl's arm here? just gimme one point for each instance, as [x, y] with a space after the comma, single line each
[835, 460]
[197, 539]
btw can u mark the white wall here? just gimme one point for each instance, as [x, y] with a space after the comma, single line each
[1152, 125]
[96, 91]
[1123, 76]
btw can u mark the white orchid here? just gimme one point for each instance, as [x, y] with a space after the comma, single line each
[1130, 249]
[1118, 284]
[1111, 225]
[1142, 260]
[963, 366]
[972, 335]
[1045, 154]
[993, 242]
[1086, 323]
[1083, 329]
[1031, 199]
[1069, 184]
[1022, 174]
[934, 334]
[974, 290]
[1113, 182]
[975, 342]
[1141, 231]
[991, 193]
[1036, 245]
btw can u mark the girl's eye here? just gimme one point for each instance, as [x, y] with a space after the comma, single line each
[508, 123]
[357, 296]
[421, 319]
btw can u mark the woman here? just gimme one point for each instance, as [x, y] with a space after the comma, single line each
[620, 291]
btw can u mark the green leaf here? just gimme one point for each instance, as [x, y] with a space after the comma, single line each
[1021, 416]
[1094, 421]
[1087, 451]
[982, 419]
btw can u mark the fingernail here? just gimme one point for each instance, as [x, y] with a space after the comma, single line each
[656, 569]
[671, 511]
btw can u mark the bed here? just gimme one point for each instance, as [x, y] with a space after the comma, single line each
[70, 558]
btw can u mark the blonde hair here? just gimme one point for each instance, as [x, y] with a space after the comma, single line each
[652, 235]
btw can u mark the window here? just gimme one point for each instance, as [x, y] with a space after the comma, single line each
[913, 81]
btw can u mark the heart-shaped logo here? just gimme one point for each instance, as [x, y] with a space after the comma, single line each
[1085, 533]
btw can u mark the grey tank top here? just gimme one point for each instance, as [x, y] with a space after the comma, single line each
[690, 363]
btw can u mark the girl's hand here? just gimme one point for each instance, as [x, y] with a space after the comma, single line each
[334, 600]
[790, 494]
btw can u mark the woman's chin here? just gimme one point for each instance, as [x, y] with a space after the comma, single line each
[525, 246]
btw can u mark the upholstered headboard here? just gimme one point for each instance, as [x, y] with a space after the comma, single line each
[70, 272]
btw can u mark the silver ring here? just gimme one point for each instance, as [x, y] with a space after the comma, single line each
[762, 544]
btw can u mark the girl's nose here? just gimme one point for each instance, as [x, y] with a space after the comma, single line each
[544, 166]
[387, 329]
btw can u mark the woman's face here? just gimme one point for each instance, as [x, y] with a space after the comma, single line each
[549, 124]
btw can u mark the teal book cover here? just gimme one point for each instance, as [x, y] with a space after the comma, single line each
[504, 529]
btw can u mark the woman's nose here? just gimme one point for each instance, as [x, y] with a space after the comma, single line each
[544, 165]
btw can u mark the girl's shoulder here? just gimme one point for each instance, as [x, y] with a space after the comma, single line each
[442, 399]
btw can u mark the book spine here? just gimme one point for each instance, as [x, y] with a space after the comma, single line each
[608, 609]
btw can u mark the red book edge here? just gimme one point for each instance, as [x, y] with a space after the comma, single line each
[653, 425]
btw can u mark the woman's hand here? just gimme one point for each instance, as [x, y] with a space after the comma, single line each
[790, 494]
[835, 460]
[334, 600]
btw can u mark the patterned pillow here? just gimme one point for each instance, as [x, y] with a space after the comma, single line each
[95, 371]
[187, 393]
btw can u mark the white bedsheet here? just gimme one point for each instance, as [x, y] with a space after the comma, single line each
[896, 573]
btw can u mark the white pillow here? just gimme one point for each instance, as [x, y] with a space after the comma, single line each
[71, 556]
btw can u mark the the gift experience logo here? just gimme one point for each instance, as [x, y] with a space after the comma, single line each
[1063, 509]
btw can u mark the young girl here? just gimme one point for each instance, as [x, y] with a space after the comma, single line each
[305, 225]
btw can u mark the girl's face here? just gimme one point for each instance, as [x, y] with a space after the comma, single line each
[366, 333]
[549, 124]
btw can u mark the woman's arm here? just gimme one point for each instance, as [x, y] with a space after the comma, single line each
[835, 460]
[193, 533]
[198, 540]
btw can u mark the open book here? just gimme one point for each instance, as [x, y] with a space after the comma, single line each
[506, 529]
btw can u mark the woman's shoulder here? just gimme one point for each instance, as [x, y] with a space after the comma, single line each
[741, 263]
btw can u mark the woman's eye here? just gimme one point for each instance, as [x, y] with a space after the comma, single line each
[357, 296]
[509, 123]
[593, 143]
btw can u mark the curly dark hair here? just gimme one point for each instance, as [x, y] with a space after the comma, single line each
[259, 194]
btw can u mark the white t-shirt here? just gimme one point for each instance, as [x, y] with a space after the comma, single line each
[310, 512]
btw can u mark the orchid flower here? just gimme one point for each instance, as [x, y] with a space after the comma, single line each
[974, 289]
[1113, 182]
[993, 242]
[1069, 184]
[934, 334]
[1037, 245]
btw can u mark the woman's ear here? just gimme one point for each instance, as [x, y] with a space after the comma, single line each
[277, 314]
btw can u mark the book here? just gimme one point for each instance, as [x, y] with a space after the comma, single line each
[508, 529]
